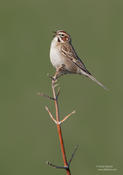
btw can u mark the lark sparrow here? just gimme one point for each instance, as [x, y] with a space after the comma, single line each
[64, 58]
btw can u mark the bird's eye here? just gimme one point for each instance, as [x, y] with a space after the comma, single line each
[62, 35]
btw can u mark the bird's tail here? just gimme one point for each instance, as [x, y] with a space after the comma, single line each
[94, 79]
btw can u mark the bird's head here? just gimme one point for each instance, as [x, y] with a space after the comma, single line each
[61, 36]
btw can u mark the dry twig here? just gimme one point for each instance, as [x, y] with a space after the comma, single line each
[57, 121]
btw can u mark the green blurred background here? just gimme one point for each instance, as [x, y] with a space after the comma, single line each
[28, 137]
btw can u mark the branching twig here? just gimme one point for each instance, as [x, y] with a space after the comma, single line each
[59, 129]
[44, 95]
[57, 121]
[58, 93]
[73, 112]
[73, 154]
[50, 114]
[55, 166]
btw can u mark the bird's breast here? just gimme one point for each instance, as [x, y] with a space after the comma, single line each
[56, 57]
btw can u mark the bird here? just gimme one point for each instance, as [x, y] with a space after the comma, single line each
[65, 59]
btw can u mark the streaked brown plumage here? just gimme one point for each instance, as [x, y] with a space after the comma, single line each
[65, 59]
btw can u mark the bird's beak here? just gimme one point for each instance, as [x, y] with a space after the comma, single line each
[54, 33]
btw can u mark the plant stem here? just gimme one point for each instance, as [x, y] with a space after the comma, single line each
[59, 129]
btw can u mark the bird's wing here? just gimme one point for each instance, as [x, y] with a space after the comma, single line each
[69, 52]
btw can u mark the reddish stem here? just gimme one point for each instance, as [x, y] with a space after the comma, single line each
[59, 130]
